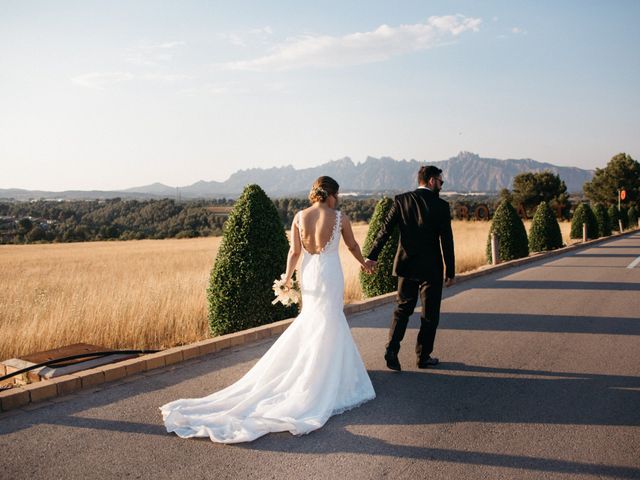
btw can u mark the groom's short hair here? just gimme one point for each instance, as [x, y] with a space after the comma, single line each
[425, 173]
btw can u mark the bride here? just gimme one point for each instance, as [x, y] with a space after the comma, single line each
[314, 370]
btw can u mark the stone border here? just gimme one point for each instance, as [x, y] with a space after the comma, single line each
[38, 391]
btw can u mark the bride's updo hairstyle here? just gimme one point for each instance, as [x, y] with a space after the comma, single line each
[322, 188]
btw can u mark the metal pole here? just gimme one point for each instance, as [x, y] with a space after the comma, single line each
[495, 249]
[620, 224]
[584, 232]
[619, 203]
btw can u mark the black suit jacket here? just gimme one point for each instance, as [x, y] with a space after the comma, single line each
[424, 221]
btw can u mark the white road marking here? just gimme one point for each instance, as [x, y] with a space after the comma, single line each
[634, 263]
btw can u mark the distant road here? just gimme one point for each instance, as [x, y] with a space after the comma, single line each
[540, 378]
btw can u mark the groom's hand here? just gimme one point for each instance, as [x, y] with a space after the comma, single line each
[370, 265]
[449, 281]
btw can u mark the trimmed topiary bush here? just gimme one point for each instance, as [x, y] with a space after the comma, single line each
[602, 219]
[513, 237]
[545, 232]
[381, 281]
[624, 217]
[253, 253]
[584, 214]
[632, 215]
[614, 216]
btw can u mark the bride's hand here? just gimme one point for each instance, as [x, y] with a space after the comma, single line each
[367, 269]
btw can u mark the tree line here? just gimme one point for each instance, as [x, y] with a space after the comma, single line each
[114, 219]
[117, 219]
[47, 221]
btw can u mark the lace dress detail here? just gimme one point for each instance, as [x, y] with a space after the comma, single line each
[334, 232]
[311, 372]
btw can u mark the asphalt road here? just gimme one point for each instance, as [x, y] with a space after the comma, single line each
[540, 378]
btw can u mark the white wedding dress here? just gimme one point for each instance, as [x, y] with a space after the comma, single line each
[313, 371]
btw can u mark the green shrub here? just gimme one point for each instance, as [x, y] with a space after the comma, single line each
[632, 215]
[584, 214]
[545, 232]
[508, 226]
[253, 253]
[381, 281]
[614, 216]
[624, 216]
[602, 219]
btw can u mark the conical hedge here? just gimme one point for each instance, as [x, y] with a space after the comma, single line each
[624, 211]
[381, 281]
[614, 216]
[545, 232]
[602, 219]
[584, 214]
[632, 215]
[253, 253]
[508, 226]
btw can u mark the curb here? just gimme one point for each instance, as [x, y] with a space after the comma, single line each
[46, 389]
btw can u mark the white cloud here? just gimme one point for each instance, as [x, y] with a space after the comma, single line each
[236, 89]
[518, 30]
[360, 47]
[101, 80]
[152, 55]
[261, 31]
[244, 37]
[233, 39]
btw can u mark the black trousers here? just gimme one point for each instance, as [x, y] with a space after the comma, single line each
[430, 293]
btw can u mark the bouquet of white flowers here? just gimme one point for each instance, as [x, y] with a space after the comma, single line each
[285, 295]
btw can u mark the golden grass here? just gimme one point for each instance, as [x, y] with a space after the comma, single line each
[470, 241]
[136, 294]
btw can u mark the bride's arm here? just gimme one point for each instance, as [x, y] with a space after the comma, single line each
[352, 244]
[294, 251]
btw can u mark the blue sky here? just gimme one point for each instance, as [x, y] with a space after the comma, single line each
[115, 94]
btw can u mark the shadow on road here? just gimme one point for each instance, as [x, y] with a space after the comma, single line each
[539, 323]
[453, 393]
[563, 285]
[606, 255]
[516, 322]
[457, 393]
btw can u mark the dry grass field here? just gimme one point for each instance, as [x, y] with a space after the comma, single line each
[136, 294]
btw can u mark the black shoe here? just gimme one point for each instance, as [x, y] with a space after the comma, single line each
[429, 362]
[392, 360]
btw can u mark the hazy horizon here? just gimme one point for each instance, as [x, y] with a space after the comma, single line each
[109, 96]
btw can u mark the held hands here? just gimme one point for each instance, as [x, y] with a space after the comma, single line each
[369, 266]
[449, 281]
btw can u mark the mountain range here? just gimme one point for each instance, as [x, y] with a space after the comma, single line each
[465, 173]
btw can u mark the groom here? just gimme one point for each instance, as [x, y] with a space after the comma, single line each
[424, 221]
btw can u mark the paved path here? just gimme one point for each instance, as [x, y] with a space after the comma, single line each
[540, 379]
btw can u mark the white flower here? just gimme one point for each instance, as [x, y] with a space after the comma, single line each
[285, 295]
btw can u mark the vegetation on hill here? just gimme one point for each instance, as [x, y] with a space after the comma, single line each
[79, 221]
[117, 219]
